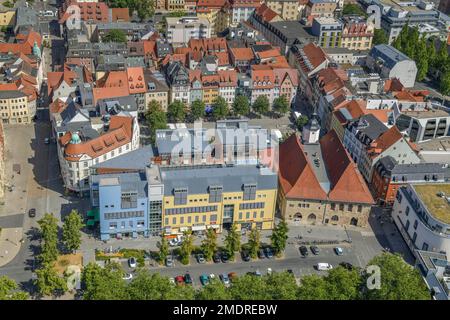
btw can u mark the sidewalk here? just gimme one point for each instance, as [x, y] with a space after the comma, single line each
[10, 243]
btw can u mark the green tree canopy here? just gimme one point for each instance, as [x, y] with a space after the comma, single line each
[9, 290]
[232, 241]
[254, 242]
[261, 105]
[156, 118]
[249, 287]
[241, 105]
[281, 105]
[313, 287]
[146, 286]
[48, 282]
[281, 286]
[197, 110]
[343, 284]
[187, 246]
[220, 108]
[422, 59]
[71, 231]
[353, 9]
[163, 246]
[379, 37]
[176, 112]
[215, 290]
[279, 237]
[301, 122]
[115, 36]
[49, 238]
[104, 283]
[399, 281]
[209, 244]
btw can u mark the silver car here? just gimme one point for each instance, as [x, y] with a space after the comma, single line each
[169, 261]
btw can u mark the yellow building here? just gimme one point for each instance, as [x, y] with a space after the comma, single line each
[213, 10]
[287, 9]
[14, 107]
[216, 196]
[7, 17]
[209, 95]
[175, 5]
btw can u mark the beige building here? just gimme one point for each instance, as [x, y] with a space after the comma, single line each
[14, 107]
[287, 9]
[356, 34]
[319, 182]
[175, 5]
[7, 17]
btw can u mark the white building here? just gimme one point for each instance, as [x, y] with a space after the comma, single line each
[181, 30]
[422, 214]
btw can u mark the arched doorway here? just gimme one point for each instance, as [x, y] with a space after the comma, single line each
[354, 221]
[298, 216]
[335, 218]
[312, 217]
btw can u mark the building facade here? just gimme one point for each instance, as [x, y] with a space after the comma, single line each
[15, 108]
[181, 30]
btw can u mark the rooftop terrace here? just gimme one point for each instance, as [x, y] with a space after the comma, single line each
[438, 206]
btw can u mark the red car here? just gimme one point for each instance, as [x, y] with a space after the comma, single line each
[179, 280]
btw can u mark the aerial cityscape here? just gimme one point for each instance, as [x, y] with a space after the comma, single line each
[225, 150]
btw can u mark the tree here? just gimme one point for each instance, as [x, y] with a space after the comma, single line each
[209, 244]
[115, 36]
[48, 282]
[71, 231]
[421, 57]
[145, 8]
[279, 237]
[281, 105]
[49, 238]
[220, 108]
[261, 105]
[399, 281]
[379, 37]
[156, 118]
[187, 247]
[104, 283]
[215, 290]
[301, 122]
[176, 111]
[241, 106]
[281, 286]
[8, 290]
[353, 9]
[163, 249]
[254, 240]
[232, 241]
[197, 110]
[343, 284]
[249, 287]
[146, 286]
[313, 287]
[444, 85]
[431, 53]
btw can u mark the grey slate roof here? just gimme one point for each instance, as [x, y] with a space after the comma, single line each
[131, 181]
[134, 160]
[370, 126]
[8, 94]
[198, 179]
[388, 54]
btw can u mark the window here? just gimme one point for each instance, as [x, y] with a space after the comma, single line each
[425, 246]
[129, 200]
[174, 220]
[415, 224]
[247, 215]
[414, 238]
[181, 220]
[249, 191]
[399, 197]
[213, 218]
[407, 225]
[240, 215]
[166, 222]
[359, 208]
[180, 196]
[215, 194]
[333, 206]
[189, 219]
[350, 207]
[196, 219]
[113, 225]
[341, 207]
[407, 210]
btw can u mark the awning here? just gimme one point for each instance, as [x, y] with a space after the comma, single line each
[198, 228]
[94, 214]
[90, 223]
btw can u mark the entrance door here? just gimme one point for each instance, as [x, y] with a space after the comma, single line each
[228, 213]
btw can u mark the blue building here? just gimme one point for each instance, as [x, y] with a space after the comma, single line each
[122, 203]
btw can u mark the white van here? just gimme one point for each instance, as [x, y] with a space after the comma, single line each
[322, 266]
[297, 115]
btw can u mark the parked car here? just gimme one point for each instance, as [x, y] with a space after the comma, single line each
[346, 265]
[132, 262]
[169, 261]
[323, 266]
[224, 257]
[245, 256]
[204, 280]
[201, 258]
[339, 251]
[173, 242]
[268, 252]
[216, 257]
[172, 280]
[127, 276]
[258, 273]
[187, 278]
[32, 213]
[212, 276]
[304, 251]
[290, 271]
[261, 254]
[315, 250]
[179, 280]
[225, 279]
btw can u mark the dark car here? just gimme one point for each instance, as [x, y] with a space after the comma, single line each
[224, 257]
[261, 254]
[290, 271]
[304, 251]
[32, 213]
[216, 257]
[315, 250]
[346, 265]
[268, 252]
[245, 256]
[187, 278]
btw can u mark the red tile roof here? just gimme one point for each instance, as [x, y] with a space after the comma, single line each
[136, 82]
[313, 57]
[120, 14]
[242, 54]
[24, 43]
[266, 13]
[383, 142]
[95, 11]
